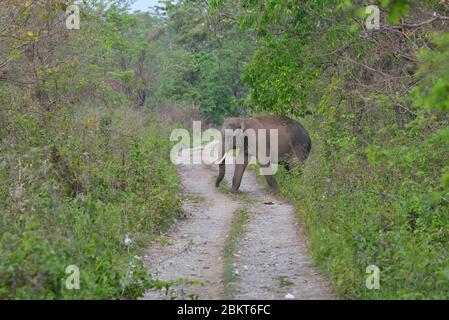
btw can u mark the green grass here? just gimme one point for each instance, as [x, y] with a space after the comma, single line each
[383, 221]
[356, 215]
[235, 235]
[224, 186]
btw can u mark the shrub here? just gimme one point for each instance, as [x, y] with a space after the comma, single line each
[128, 186]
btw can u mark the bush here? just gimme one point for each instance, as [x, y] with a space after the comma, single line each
[70, 193]
[380, 197]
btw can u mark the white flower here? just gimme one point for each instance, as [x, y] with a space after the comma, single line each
[127, 242]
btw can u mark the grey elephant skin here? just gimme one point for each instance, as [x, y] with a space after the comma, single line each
[293, 141]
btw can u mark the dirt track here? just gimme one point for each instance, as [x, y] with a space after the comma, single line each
[271, 260]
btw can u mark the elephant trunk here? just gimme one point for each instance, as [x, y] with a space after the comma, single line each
[221, 173]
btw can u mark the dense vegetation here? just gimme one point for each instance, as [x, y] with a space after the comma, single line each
[375, 189]
[83, 167]
[84, 158]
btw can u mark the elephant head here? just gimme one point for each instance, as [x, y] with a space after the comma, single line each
[235, 134]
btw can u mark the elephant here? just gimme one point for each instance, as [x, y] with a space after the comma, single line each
[293, 141]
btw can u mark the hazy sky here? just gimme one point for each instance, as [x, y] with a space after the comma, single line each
[143, 5]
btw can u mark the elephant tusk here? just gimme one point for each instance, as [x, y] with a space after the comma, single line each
[221, 160]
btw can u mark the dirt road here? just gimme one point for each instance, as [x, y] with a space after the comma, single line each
[270, 261]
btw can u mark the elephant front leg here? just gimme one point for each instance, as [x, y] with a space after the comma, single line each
[241, 162]
[238, 174]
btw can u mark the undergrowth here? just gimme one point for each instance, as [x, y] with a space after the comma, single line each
[72, 191]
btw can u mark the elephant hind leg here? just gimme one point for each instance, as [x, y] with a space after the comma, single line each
[271, 180]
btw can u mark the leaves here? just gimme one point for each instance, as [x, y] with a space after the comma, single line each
[397, 9]
[433, 90]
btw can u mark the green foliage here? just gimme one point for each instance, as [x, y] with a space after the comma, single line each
[433, 90]
[397, 9]
[74, 181]
[213, 91]
[288, 41]
[129, 186]
[374, 190]
[76, 176]
[203, 61]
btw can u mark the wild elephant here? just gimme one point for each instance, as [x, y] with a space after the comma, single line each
[293, 141]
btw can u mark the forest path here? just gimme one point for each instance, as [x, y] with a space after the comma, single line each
[270, 260]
